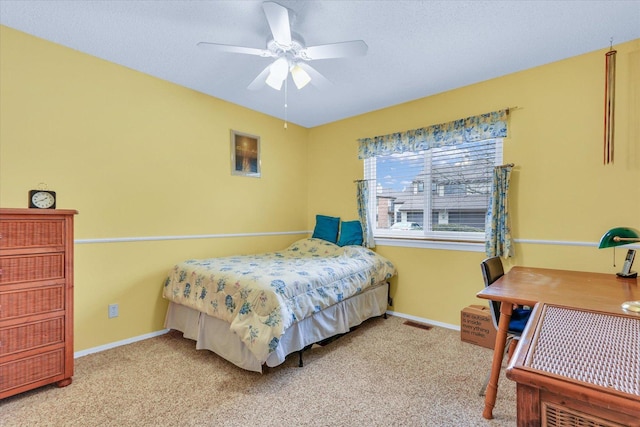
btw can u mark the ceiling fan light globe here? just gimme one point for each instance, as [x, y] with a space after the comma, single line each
[280, 68]
[300, 77]
[278, 71]
[274, 82]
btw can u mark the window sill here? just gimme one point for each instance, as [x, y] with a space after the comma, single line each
[447, 245]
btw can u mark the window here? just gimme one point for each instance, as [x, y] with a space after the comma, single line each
[459, 178]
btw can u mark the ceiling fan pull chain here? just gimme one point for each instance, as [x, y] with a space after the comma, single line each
[286, 86]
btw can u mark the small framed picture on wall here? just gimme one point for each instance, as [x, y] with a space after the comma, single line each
[245, 154]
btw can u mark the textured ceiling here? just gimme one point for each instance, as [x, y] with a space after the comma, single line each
[416, 48]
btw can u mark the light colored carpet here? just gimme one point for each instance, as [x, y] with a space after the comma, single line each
[384, 373]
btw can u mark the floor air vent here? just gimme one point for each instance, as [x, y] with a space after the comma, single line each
[418, 325]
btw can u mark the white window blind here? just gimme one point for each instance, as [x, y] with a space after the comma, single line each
[441, 193]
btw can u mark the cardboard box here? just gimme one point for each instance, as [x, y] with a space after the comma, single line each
[476, 326]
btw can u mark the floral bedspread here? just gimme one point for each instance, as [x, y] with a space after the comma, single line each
[262, 295]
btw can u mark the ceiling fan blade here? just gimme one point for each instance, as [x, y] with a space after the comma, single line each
[335, 50]
[258, 82]
[278, 19]
[317, 79]
[235, 49]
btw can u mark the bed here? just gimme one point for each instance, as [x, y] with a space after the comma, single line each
[254, 310]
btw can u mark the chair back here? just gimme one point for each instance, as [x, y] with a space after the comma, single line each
[492, 270]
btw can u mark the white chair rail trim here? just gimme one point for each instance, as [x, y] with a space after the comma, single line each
[185, 237]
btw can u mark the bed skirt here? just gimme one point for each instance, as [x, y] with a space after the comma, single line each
[214, 334]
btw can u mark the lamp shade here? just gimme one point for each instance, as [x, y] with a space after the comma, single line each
[619, 236]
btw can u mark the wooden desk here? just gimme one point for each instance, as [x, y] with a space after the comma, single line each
[575, 289]
[578, 368]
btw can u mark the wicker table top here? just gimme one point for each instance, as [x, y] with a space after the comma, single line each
[589, 347]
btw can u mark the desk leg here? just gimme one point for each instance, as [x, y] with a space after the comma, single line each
[498, 353]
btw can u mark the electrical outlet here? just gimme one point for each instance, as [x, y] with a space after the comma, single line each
[113, 310]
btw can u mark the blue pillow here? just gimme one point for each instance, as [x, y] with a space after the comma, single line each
[350, 233]
[326, 228]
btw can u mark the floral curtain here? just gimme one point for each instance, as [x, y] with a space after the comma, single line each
[363, 202]
[475, 128]
[498, 240]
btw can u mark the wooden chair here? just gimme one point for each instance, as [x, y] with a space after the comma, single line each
[492, 270]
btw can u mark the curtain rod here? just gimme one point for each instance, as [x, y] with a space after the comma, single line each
[508, 165]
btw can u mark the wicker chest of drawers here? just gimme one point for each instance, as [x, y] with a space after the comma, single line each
[36, 299]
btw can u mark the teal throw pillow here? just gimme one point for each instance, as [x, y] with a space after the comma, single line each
[326, 228]
[350, 233]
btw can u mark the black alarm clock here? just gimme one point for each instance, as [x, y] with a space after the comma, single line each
[42, 199]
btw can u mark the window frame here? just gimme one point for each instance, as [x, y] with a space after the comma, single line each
[429, 239]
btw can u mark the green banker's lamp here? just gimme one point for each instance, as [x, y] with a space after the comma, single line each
[622, 236]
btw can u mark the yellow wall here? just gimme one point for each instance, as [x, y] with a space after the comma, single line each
[140, 157]
[561, 191]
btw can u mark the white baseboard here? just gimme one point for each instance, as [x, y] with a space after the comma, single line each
[118, 343]
[423, 320]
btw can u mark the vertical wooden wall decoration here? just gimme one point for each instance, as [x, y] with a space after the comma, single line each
[609, 104]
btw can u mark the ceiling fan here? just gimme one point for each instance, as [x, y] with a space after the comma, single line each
[290, 53]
